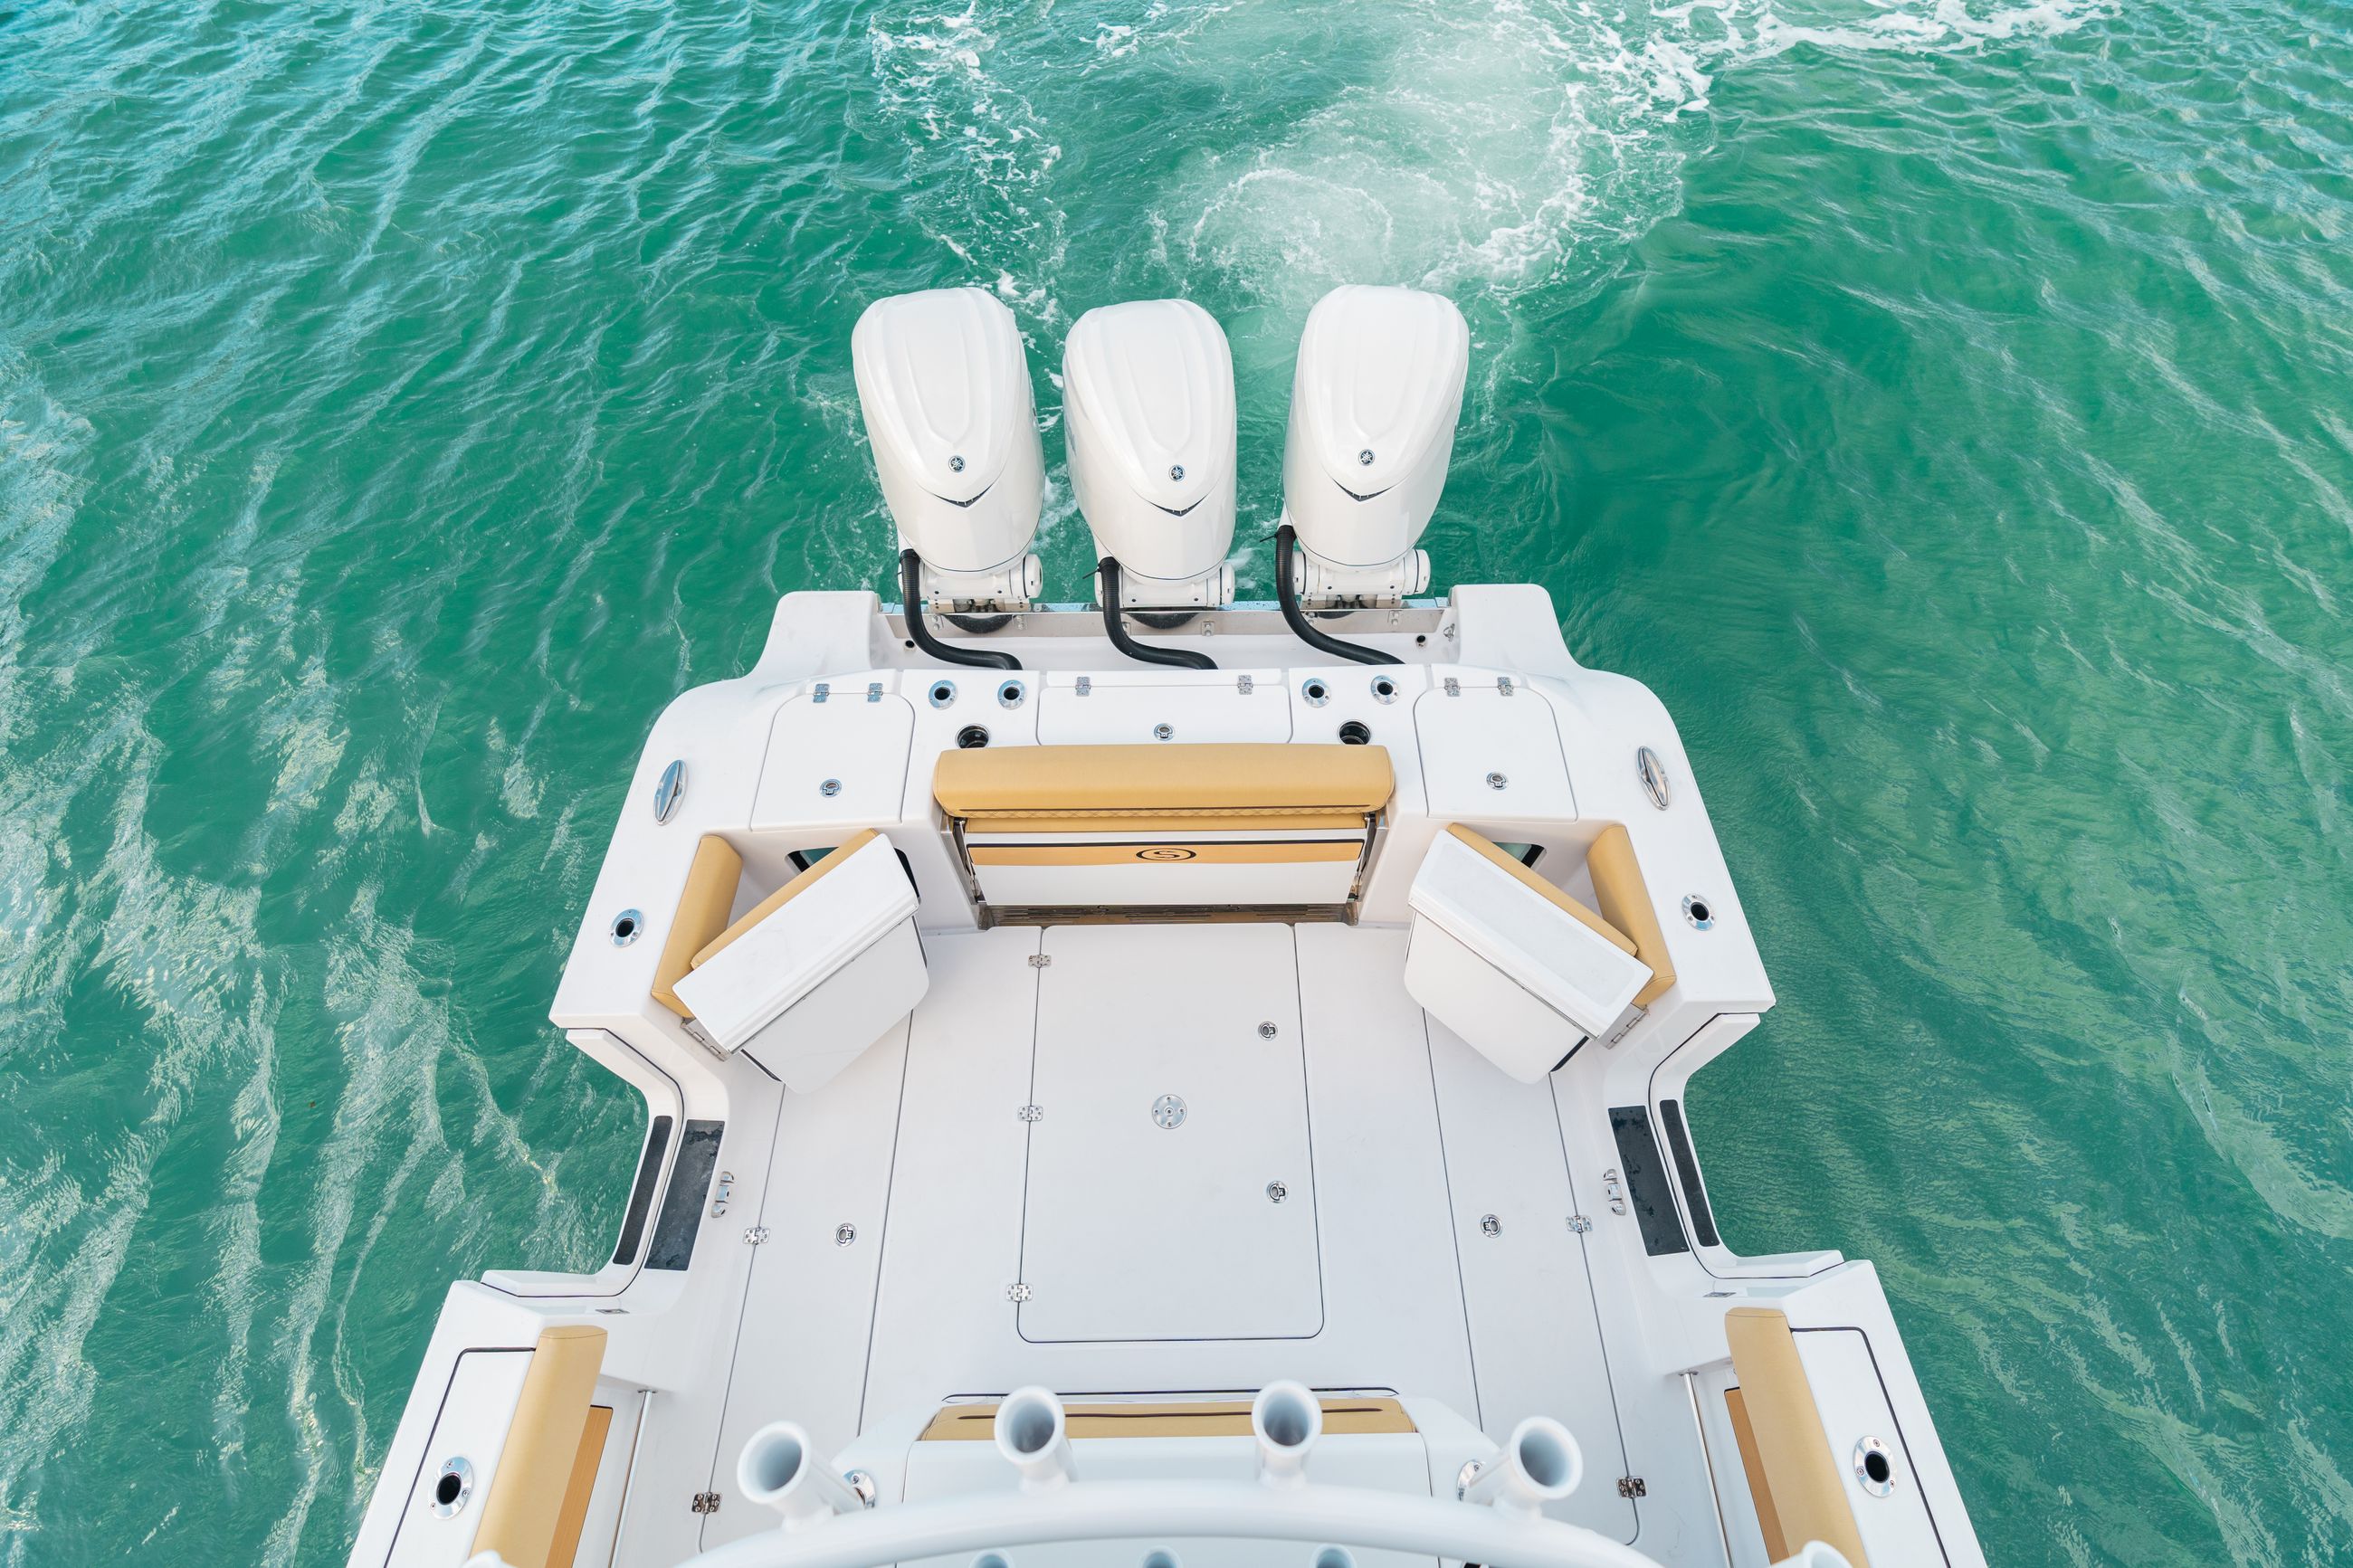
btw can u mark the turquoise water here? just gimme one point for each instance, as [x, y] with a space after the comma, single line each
[1941, 403]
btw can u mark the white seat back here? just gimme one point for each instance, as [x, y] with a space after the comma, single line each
[818, 972]
[1519, 970]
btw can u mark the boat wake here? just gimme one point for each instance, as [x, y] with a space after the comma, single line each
[1484, 152]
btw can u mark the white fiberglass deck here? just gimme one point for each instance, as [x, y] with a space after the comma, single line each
[1153, 1258]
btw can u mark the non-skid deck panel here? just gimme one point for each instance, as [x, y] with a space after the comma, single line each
[1535, 1330]
[930, 1166]
[809, 1299]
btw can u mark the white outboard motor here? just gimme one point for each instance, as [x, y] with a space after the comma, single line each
[1373, 408]
[1148, 395]
[944, 387]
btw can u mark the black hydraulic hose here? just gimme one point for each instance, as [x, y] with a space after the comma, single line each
[911, 575]
[1182, 658]
[1285, 538]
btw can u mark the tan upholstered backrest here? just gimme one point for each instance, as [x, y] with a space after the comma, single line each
[1163, 789]
[522, 1515]
[1785, 1449]
[1625, 900]
[701, 915]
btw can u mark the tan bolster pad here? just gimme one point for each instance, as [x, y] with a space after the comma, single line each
[534, 1469]
[702, 915]
[1808, 1495]
[1625, 900]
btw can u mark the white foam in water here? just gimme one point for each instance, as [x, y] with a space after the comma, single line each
[1480, 149]
[1505, 149]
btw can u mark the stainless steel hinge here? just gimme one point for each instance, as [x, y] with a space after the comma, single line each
[1086, 686]
[1580, 1224]
[755, 1236]
[1017, 1292]
[1502, 686]
[706, 1503]
[1033, 1113]
[1632, 1486]
[873, 691]
[823, 691]
[1041, 960]
[1453, 687]
[1244, 684]
[1614, 1190]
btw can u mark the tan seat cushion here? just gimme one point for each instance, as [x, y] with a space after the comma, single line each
[702, 909]
[1785, 1448]
[1163, 788]
[523, 1512]
[1625, 900]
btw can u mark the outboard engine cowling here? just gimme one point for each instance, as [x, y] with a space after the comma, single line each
[1373, 408]
[1148, 401]
[945, 388]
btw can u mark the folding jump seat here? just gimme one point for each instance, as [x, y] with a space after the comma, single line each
[809, 977]
[1518, 968]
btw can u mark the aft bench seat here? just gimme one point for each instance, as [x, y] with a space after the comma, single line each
[808, 978]
[1049, 831]
[1521, 970]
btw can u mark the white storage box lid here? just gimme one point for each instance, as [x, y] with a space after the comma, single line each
[1529, 939]
[747, 985]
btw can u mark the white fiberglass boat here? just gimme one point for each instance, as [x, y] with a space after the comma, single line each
[1169, 1084]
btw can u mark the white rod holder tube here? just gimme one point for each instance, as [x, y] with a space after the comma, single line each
[1033, 1433]
[780, 1468]
[1287, 1418]
[1540, 1463]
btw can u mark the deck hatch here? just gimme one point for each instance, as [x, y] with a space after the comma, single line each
[1148, 1219]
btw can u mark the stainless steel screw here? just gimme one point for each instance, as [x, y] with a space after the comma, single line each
[833, 786]
[1490, 1225]
[1496, 780]
[843, 1234]
[1276, 1192]
[1267, 1030]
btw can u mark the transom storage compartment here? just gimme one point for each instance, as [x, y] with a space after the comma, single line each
[1057, 832]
